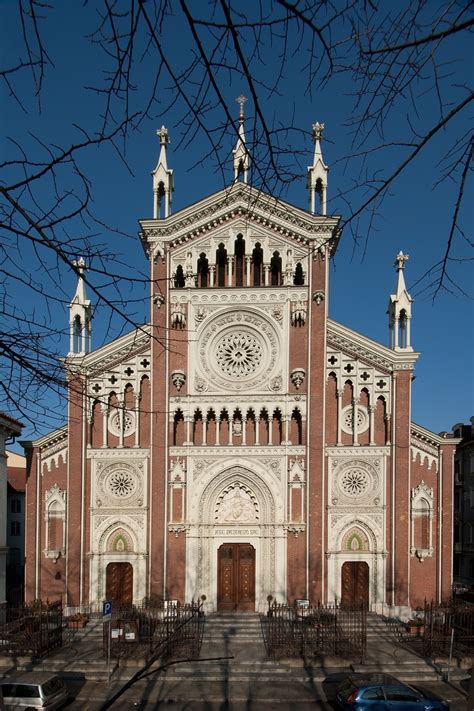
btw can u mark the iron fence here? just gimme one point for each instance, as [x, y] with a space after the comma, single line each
[33, 629]
[448, 628]
[331, 630]
[139, 631]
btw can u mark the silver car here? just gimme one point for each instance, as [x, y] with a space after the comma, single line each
[35, 690]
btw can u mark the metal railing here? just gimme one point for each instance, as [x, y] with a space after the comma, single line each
[33, 629]
[324, 630]
[138, 631]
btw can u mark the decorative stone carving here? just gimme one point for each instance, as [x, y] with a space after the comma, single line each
[318, 297]
[239, 354]
[347, 423]
[200, 385]
[178, 379]
[178, 316]
[276, 383]
[297, 377]
[298, 313]
[356, 482]
[158, 300]
[129, 422]
[121, 484]
[236, 505]
[199, 315]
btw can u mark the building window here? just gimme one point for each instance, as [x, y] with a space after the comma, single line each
[15, 506]
[15, 528]
[422, 505]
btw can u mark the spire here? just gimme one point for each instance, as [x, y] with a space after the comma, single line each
[318, 173]
[162, 179]
[399, 309]
[80, 316]
[240, 152]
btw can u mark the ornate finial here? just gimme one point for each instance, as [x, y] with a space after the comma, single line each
[318, 129]
[400, 260]
[241, 101]
[80, 265]
[163, 136]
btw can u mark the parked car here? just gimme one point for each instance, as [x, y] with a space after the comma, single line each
[33, 691]
[377, 692]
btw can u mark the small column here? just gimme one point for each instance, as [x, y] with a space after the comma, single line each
[188, 430]
[266, 272]
[105, 429]
[372, 424]
[387, 427]
[230, 262]
[204, 430]
[287, 429]
[231, 431]
[257, 430]
[137, 420]
[121, 411]
[248, 261]
[171, 488]
[212, 275]
[395, 332]
[355, 428]
[218, 430]
[339, 394]
[270, 429]
[244, 429]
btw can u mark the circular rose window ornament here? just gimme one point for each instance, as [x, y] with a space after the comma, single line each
[129, 424]
[121, 484]
[347, 422]
[238, 354]
[354, 482]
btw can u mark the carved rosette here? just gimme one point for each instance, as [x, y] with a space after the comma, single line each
[238, 351]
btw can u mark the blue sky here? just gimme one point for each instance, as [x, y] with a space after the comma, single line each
[415, 216]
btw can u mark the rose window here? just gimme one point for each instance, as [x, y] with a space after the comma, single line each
[121, 484]
[354, 482]
[129, 425]
[239, 354]
[347, 423]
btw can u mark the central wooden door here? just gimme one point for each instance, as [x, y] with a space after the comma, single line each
[119, 583]
[355, 584]
[236, 577]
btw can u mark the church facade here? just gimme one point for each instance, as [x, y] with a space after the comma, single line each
[242, 444]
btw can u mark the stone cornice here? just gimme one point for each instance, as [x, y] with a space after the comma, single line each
[239, 451]
[357, 451]
[421, 436]
[240, 201]
[371, 352]
[52, 442]
[115, 352]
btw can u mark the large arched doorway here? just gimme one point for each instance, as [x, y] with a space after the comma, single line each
[355, 584]
[119, 583]
[236, 577]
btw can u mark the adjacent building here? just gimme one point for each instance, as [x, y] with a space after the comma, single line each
[464, 505]
[9, 429]
[241, 444]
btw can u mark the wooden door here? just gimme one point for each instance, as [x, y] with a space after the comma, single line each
[236, 577]
[119, 583]
[355, 584]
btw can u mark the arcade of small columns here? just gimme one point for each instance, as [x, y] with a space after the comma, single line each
[212, 427]
[259, 268]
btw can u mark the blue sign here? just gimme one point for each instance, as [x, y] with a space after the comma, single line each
[107, 610]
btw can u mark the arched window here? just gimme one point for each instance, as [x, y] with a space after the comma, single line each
[422, 501]
[77, 334]
[178, 429]
[298, 279]
[179, 280]
[203, 271]
[221, 264]
[257, 260]
[239, 260]
[275, 268]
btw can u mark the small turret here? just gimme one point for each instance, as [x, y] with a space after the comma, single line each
[399, 310]
[80, 316]
[163, 185]
[240, 152]
[318, 174]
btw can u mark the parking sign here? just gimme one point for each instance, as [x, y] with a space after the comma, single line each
[107, 610]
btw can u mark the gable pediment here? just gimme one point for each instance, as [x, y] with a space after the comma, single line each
[237, 205]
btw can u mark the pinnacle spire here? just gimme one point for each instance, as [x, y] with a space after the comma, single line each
[163, 184]
[240, 152]
[318, 173]
[80, 315]
[399, 309]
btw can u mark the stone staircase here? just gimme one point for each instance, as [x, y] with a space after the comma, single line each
[80, 657]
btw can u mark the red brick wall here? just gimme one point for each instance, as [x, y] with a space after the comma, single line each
[402, 486]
